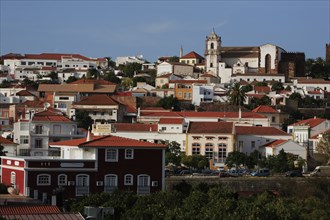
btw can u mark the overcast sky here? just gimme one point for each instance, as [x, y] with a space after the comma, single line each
[159, 28]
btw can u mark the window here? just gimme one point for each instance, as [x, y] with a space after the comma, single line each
[222, 154]
[57, 129]
[43, 179]
[143, 184]
[179, 94]
[24, 126]
[196, 150]
[62, 180]
[13, 179]
[129, 153]
[128, 180]
[110, 183]
[211, 64]
[209, 152]
[212, 45]
[111, 155]
[38, 129]
[208, 145]
[38, 143]
[64, 98]
[163, 128]
[253, 144]
[24, 139]
[82, 185]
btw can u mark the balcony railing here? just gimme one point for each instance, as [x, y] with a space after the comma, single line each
[82, 190]
[110, 189]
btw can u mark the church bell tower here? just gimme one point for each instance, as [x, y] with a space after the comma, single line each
[212, 53]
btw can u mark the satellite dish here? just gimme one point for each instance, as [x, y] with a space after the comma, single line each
[46, 105]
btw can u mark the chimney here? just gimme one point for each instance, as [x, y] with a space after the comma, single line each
[239, 112]
[88, 135]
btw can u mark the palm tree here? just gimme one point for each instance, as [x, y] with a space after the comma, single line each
[236, 95]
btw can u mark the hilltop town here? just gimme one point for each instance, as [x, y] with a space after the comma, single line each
[80, 125]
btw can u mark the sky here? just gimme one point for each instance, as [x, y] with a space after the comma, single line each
[159, 28]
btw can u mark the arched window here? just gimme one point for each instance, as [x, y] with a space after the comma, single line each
[222, 152]
[110, 183]
[82, 184]
[196, 148]
[212, 45]
[62, 180]
[208, 145]
[143, 184]
[268, 66]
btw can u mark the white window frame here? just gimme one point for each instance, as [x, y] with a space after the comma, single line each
[111, 159]
[24, 138]
[44, 182]
[62, 182]
[13, 179]
[129, 153]
[130, 181]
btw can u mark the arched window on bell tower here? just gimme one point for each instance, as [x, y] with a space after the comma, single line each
[268, 63]
[212, 45]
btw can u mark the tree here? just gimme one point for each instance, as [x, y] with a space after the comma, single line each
[324, 147]
[5, 84]
[126, 83]
[53, 75]
[173, 153]
[261, 84]
[169, 102]
[247, 88]
[174, 59]
[130, 69]
[71, 79]
[93, 74]
[235, 158]
[236, 95]
[277, 86]
[2, 152]
[111, 77]
[83, 119]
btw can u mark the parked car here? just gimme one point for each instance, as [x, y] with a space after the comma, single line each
[293, 173]
[261, 172]
[185, 172]
[321, 171]
[223, 173]
[234, 173]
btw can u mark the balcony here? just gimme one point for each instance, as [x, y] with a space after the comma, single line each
[110, 189]
[82, 190]
[143, 190]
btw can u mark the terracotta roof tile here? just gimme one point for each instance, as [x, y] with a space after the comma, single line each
[192, 55]
[24, 93]
[312, 122]
[210, 127]
[188, 81]
[171, 121]
[97, 100]
[94, 81]
[52, 216]
[5, 141]
[28, 209]
[262, 89]
[264, 109]
[53, 56]
[274, 144]
[256, 130]
[50, 115]
[136, 127]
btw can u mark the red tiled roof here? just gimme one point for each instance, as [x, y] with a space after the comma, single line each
[262, 89]
[188, 81]
[312, 81]
[203, 114]
[154, 109]
[50, 115]
[136, 127]
[210, 127]
[256, 130]
[48, 68]
[101, 99]
[94, 81]
[274, 144]
[24, 93]
[51, 216]
[312, 122]
[317, 135]
[28, 209]
[315, 92]
[192, 55]
[264, 109]
[53, 56]
[171, 121]
[5, 141]
[34, 104]
[115, 141]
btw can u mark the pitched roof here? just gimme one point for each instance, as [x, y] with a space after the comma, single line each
[28, 209]
[91, 88]
[51, 216]
[5, 141]
[171, 121]
[312, 122]
[210, 127]
[274, 144]
[256, 130]
[101, 99]
[94, 81]
[262, 89]
[108, 141]
[50, 115]
[192, 55]
[136, 127]
[54, 56]
[34, 104]
[188, 81]
[264, 109]
[24, 93]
